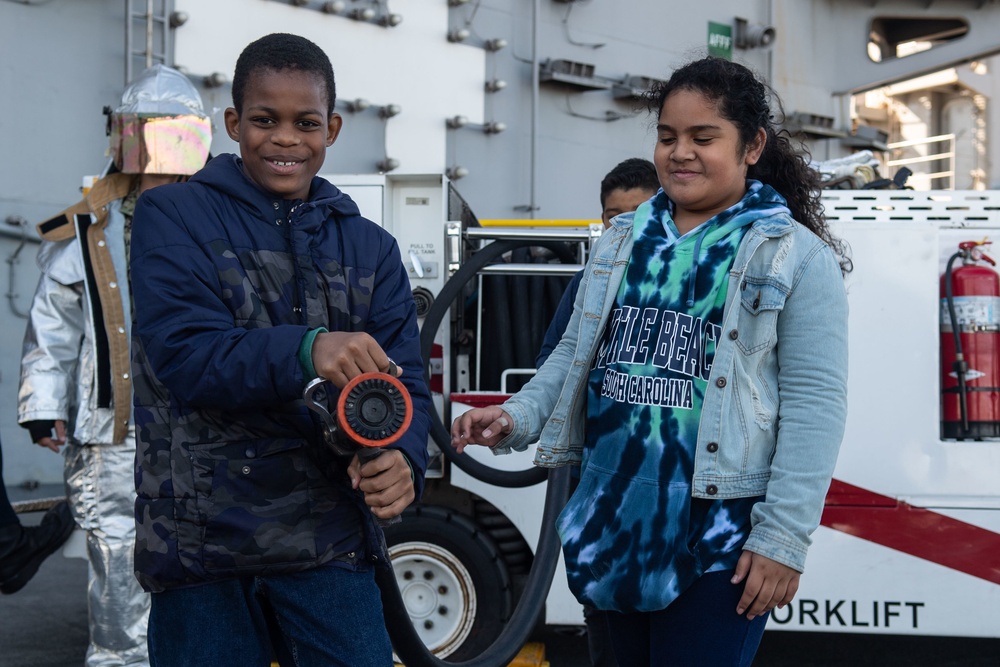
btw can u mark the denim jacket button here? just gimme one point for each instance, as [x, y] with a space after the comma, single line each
[712, 447]
[734, 334]
[720, 383]
[712, 489]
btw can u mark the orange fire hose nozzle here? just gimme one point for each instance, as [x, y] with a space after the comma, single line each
[373, 410]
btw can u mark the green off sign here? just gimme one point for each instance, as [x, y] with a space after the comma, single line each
[720, 40]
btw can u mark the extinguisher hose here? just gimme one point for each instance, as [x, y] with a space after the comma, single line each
[432, 321]
[411, 649]
[959, 364]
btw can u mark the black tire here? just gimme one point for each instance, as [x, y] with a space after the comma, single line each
[459, 618]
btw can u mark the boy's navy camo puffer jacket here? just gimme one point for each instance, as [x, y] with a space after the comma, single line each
[232, 477]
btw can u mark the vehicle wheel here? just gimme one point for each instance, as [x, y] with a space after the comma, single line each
[453, 581]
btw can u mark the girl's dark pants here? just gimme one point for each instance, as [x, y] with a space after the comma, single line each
[699, 629]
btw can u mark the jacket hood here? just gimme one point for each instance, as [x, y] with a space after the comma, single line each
[225, 174]
[760, 202]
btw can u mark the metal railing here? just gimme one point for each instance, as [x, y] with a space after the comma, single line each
[917, 152]
[36, 504]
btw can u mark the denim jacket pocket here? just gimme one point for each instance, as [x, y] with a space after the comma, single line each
[760, 304]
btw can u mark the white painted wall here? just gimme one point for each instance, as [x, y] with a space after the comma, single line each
[412, 65]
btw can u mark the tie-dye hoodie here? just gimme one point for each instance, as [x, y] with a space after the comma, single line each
[633, 537]
[773, 414]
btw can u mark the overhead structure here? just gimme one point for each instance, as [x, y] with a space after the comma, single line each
[882, 42]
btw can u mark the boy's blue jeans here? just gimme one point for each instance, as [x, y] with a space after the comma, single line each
[698, 629]
[325, 616]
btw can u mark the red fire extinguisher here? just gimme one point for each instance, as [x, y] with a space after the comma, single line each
[970, 346]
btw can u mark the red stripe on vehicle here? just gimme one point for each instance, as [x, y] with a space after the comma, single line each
[885, 521]
[919, 532]
[480, 399]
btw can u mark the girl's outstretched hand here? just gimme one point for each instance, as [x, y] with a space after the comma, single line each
[769, 584]
[481, 426]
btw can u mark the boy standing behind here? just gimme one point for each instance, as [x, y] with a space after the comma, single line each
[250, 280]
[629, 184]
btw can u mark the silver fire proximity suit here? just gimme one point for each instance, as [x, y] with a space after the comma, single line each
[75, 361]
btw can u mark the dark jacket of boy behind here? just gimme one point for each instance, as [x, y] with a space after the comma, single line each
[235, 479]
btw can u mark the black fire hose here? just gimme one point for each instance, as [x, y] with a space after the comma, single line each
[960, 366]
[411, 649]
[374, 410]
[406, 642]
[432, 321]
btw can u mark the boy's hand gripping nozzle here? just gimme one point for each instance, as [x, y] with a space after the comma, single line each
[373, 411]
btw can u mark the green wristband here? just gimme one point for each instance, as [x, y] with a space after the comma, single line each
[305, 352]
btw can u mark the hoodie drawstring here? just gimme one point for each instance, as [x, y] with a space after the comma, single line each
[693, 272]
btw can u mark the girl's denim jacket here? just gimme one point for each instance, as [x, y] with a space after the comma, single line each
[776, 401]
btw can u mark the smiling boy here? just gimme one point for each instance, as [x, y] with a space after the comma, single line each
[250, 280]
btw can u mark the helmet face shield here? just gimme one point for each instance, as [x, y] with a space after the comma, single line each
[160, 127]
[142, 144]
